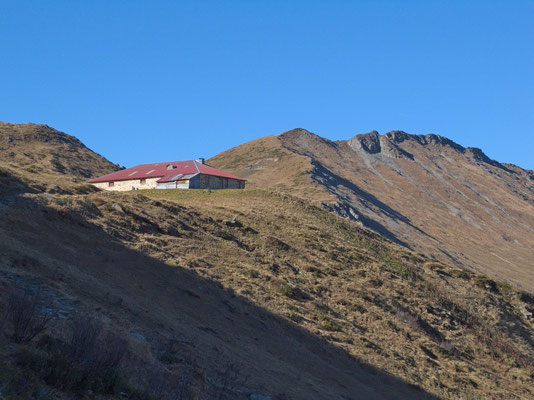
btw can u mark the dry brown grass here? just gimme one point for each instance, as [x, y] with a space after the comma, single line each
[48, 159]
[265, 163]
[348, 285]
[442, 203]
[153, 264]
[302, 303]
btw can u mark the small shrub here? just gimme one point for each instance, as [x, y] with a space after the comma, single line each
[485, 283]
[504, 288]
[15, 383]
[526, 298]
[401, 270]
[288, 291]
[3, 319]
[500, 287]
[85, 333]
[462, 274]
[327, 324]
[295, 317]
[53, 368]
[171, 352]
[252, 273]
[25, 313]
[89, 360]
[433, 265]
[443, 299]
[357, 307]
[314, 270]
[275, 243]
[224, 379]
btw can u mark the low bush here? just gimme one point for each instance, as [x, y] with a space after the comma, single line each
[526, 298]
[27, 315]
[327, 324]
[401, 270]
[485, 283]
[288, 291]
[89, 360]
[462, 274]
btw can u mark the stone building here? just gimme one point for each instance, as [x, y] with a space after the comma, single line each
[192, 174]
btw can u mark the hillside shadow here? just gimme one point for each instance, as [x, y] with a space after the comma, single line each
[332, 181]
[136, 290]
[10, 185]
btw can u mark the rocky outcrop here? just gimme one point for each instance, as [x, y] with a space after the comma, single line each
[386, 145]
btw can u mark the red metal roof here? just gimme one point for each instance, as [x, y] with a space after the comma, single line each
[164, 170]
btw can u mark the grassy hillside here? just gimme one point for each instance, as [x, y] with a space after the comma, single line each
[247, 294]
[48, 156]
[265, 163]
[424, 192]
[254, 292]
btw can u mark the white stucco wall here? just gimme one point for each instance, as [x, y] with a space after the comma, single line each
[121, 186]
[205, 182]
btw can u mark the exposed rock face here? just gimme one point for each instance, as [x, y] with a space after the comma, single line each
[369, 142]
[373, 143]
[425, 192]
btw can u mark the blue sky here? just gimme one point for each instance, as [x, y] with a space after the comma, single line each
[146, 81]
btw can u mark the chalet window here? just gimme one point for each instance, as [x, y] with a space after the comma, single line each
[142, 181]
[111, 184]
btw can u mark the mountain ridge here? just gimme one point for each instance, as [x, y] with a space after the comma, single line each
[408, 187]
[244, 294]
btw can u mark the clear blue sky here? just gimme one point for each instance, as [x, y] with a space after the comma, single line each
[146, 81]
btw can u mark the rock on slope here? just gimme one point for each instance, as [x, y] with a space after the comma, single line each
[424, 192]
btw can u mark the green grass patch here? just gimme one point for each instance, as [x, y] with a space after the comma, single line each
[327, 324]
[288, 291]
[397, 268]
[503, 288]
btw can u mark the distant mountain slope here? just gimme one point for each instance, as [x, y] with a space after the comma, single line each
[266, 163]
[425, 192]
[43, 152]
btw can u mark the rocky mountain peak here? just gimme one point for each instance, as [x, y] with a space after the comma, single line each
[369, 142]
[302, 140]
[399, 136]
[295, 132]
[374, 143]
[390, 145]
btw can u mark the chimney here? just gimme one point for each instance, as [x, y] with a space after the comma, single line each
[200, 160]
